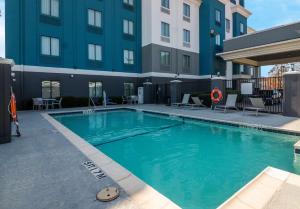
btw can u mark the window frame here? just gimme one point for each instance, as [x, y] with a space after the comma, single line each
[185, 5]
[127, 22]
[129, 2]
[218, 39]
[131, 89]
[95, 89]
[51, 47]
[94, 13]
[165, 60]
[129, 60]
[51, 88]
[163, 24]
[94, 57]
[228, 25]
[183, 61]
[165, 6]
[50, 10]
[186, 34]
[218, 16]
[242, 28]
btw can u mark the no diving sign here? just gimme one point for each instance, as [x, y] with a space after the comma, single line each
[97, 172]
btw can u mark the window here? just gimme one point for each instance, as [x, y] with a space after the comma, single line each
[128, 27]
[165, 58]
[95, 52]
[242, 69]
[129, 2]
[228, 26]
[218, 40]
[128, 89]
[186, 36]
[186, 10]
[128, 57]
[165, 29]
[50, 7]
[242, 28]
[186, 62]
[95, 89]
[50, 89]
[94, 18]
[49, 46]
[218, 16]
[165, 4]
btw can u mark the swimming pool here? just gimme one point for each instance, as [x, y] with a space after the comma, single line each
[195, 164]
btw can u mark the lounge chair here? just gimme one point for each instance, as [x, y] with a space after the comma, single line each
[230, 103]
[197, 102]
[257, 105]
[185, 101]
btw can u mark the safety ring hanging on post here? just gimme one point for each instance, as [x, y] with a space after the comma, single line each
[216, 95]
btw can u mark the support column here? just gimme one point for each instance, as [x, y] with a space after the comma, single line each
[5, 84]
[148, 93]
[175, 91]
[291, 94]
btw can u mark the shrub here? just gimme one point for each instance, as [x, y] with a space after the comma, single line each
[116, 99]
[75, 102]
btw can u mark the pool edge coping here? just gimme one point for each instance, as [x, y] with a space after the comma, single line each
[260, 191]
[231, 123]
[140, 193]
[181, 115]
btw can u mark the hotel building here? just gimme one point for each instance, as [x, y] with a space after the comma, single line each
[79, 48]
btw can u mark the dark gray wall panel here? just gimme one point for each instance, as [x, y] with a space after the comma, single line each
[283, 33]
[151, 60]
[5, 83]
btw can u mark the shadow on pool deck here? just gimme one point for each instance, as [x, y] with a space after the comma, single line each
[42, 169]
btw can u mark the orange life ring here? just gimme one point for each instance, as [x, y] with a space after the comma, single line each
[216, 95]
[13, 107]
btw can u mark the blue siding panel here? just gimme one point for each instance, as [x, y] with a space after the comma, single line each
[23, 34]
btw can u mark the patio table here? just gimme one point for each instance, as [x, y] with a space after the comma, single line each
[48, 102]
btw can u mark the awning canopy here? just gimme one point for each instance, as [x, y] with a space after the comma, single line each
[273, 46]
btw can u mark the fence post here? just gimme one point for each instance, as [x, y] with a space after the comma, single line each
[5, 85]
[220, 83]
[291, 94]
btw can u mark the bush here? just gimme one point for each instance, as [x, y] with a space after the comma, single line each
[116, 99]
[75, 102]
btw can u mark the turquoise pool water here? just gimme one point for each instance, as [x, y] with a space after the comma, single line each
[195, 164]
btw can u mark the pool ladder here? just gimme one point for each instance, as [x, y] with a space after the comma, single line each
[90, 111]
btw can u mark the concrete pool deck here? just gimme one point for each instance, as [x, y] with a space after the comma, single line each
[43, 168]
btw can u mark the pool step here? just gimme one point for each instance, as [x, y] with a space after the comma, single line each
[297, 148]
[268, 189]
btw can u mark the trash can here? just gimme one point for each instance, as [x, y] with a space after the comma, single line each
[5, 85]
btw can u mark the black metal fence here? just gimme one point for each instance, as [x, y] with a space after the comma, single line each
[270, 89]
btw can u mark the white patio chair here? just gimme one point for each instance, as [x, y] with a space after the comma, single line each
[37, 103]
[185, 101]
[230, 103]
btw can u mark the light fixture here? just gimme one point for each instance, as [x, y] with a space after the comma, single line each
[71, 76]
[147, 82]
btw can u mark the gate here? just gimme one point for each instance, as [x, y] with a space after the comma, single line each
[270, 89]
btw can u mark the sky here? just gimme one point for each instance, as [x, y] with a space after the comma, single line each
[265, 14]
